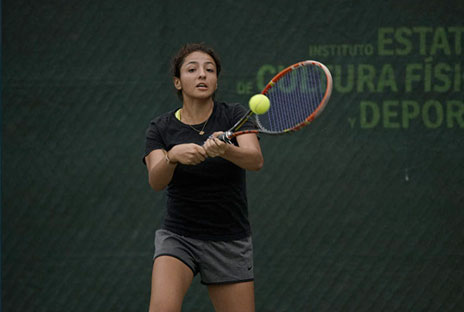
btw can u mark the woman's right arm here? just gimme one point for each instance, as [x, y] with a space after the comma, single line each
[160, 171]
[161, 164]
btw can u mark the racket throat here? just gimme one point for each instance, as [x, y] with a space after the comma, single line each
[225, 137]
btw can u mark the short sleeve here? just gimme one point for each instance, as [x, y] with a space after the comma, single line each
[153, 139]
[239, 112]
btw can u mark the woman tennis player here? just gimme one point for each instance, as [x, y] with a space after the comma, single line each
[206, 230]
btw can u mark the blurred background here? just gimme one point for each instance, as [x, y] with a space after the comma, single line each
[360, 211]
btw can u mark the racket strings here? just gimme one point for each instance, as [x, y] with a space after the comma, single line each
[294, 98]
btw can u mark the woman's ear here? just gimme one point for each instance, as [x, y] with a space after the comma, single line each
[177, 83]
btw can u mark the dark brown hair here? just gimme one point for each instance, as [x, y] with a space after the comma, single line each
[178, 59]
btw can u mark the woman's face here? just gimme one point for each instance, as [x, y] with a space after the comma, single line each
[198, 76]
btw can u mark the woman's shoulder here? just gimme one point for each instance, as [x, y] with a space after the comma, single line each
[163, 119]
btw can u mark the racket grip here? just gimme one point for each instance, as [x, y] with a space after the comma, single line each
[225, 137]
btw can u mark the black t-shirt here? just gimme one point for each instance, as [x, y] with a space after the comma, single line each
[207, 201]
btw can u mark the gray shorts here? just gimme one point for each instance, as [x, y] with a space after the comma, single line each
[217, 262]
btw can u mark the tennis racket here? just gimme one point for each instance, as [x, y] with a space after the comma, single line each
[298, 94]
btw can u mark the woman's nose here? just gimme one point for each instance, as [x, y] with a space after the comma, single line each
[202, 73]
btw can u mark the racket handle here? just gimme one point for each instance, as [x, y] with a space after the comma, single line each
[225, 137]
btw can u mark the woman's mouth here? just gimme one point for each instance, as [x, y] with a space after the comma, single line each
[202, 86]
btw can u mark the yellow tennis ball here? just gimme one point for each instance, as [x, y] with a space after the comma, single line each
[259, 104]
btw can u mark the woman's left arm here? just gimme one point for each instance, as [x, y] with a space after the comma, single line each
[246, 155]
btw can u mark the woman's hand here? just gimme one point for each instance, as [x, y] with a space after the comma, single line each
[215, 147]
[187, 154]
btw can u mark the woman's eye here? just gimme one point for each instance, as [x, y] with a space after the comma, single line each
[191, 70]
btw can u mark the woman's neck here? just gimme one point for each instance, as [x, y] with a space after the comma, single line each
[196, 112]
